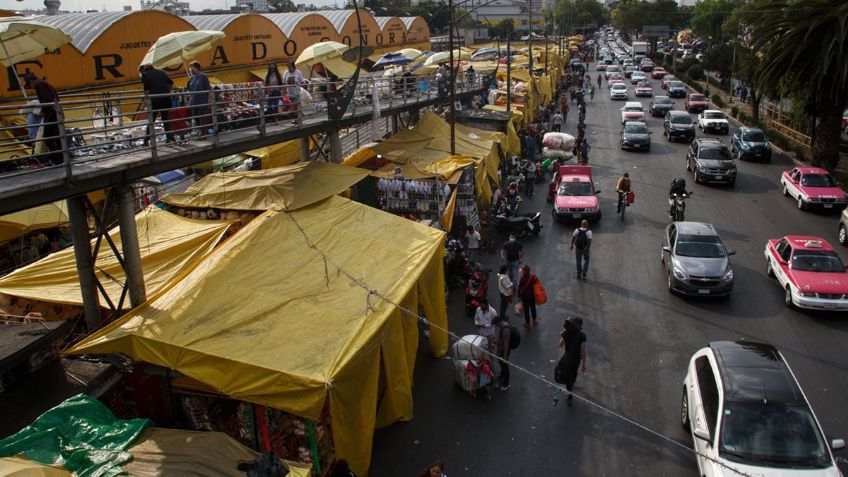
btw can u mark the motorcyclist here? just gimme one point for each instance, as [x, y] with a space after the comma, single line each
[511, 192]
[623, 186]
[677, 187]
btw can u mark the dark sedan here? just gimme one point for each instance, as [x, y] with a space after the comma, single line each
[660, 105]
[750, 144]
[679, 125]
[696, 260]
[676, 89]
[635, 136]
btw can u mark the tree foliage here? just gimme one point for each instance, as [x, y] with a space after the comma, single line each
[708, 16]
[570, 16]
[803, 45]
[632, 15]
[282, 6]
[502, 29]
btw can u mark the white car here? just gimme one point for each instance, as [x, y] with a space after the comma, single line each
[713, 120]
[746, 412]
[638, 76]
[618, 91]
[632, 111]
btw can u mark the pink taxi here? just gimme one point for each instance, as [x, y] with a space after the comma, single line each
[809, 271]
[576, 197]
[812, 187]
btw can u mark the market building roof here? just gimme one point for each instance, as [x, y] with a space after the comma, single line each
[212, 22]
[84, 28]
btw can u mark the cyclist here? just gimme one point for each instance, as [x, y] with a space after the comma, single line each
[623, 186]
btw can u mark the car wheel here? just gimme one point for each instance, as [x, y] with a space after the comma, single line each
[769, 269]
[684, 412]
[800, 203]
[785, 190]
[843, 235]
[554, 216]
[697, 177]
[688, 165]
[787, 297]
[669, 283]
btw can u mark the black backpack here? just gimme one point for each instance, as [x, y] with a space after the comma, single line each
[582, 240]
[514, 337]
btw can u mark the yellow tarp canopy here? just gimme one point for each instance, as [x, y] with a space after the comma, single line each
[11, 148]
[443, 168]
[160, 452]
[21, 466]
[169, 245]
[290, 187]
[22, 222]
[281, 315]
[277, 155]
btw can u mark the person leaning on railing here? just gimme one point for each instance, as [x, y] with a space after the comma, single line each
[157, 85]
[199, 87]
[46, 93]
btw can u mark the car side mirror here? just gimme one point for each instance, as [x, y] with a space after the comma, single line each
[650, 132]
[702, 434]
[597, 192]
[666, 249]
[837, 444]
[731, 252]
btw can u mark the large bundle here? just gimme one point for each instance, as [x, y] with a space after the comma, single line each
[470, 347]
[559, 154]
[558, 140]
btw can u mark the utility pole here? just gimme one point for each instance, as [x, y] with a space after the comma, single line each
[452, 81]
[508, 72]
[530, 34]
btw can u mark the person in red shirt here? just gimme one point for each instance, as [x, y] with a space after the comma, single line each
[526, 283]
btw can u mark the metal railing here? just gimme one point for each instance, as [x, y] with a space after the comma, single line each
[93, 127]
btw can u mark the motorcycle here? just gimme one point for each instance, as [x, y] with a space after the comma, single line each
[476, 286]
[519, 224]
[677, 203]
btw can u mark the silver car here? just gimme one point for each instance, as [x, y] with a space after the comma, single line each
[696, 260]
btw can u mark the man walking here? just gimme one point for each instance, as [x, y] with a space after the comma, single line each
[472, 238]
[506, 290]
[157, 84]
[582, 240]
[529, 178]
[512, 253]
[484, 320]
[557, 122]
[504, 335]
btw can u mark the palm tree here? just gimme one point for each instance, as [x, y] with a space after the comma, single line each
[805, 50]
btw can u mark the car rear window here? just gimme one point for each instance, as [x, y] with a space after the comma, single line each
[681, 119]
[817, 180]
[826, 261]
[718, 153]
[714, 115]
[635, 129]
[697, 97]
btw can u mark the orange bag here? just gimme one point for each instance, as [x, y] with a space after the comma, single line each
[539, 293]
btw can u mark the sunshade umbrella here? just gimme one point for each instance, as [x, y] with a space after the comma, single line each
[444, 56]
[23, 40]
[319, 52]
[176, 48]
[391, 59]
[410, 53]
[485, 54]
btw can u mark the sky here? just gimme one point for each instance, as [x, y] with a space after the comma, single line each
[116, 5]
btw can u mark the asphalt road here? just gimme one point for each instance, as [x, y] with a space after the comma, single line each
[640, 337]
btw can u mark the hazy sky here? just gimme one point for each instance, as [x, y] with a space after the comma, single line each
[115, 5]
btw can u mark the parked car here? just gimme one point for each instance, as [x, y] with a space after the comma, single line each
[637, 77]
[745, 411]
[678, 125]
[632, 111]
[809, 271]
[576, 197]
[660, 105]
[618, 91]
[644, 89]
[750, 144]
[635, 135]
[812, 187]
[710, 161]
[695, 103]
[713, 120]
[696, 260]
[676, 89]
[666, 80]
[658, 72]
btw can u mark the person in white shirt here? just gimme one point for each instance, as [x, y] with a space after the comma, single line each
[473, 238]
[556, 122]
[484, 320]
[294, 79]
[506, 290]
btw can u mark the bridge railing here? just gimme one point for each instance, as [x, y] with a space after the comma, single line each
[88, 128]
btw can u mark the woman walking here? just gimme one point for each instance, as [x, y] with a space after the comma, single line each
[273, 85]
[573, 341]
[526, 292]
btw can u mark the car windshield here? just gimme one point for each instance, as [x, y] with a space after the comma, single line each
[700, 246]
[714, 115]
[754, 136]
[635, 129]
[697, 97]
[817, 180]
[826, 261]
[575, 188]
[633, 108]
[773, 434]
[717, 153]
[681, 119]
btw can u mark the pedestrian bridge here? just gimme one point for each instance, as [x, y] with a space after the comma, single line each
[103, 139]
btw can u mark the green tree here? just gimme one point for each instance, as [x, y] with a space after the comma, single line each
[503, 28]
[571, 16]
[435, 13]
[745, 59]
[708, 16]
[631, 15]
[282, 6]
[803, 43]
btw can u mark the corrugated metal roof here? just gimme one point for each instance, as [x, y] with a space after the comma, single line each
[337, 18]
[211, 22]
[382, 21]
[287, 21]
[408, 21]
[83, 28]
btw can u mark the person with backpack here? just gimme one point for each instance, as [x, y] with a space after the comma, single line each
[526, 292]
[582, 240]
[573, 340]
[508, 339]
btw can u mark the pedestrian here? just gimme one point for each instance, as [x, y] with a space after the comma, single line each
[512, 253]
[293, 80]
[527, 294]
[436, 469]
[199, 88]
[273, 89]
[573, 341]
[504, 345]
[557, 122]
[472, 246]
[484, 320]
[157, 86]
[506, 290]
[46, 93]
[529, 178]
[584, 151]
[581, 241]
[565, 109]
[743, 93]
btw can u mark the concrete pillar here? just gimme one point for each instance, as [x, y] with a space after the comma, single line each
[85, 263]
[129, 244]
[395, 123]
[335, 146]
[304, 148]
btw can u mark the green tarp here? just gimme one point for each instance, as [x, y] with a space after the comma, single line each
[80, 434]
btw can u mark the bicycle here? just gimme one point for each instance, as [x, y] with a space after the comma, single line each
[623, 204]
